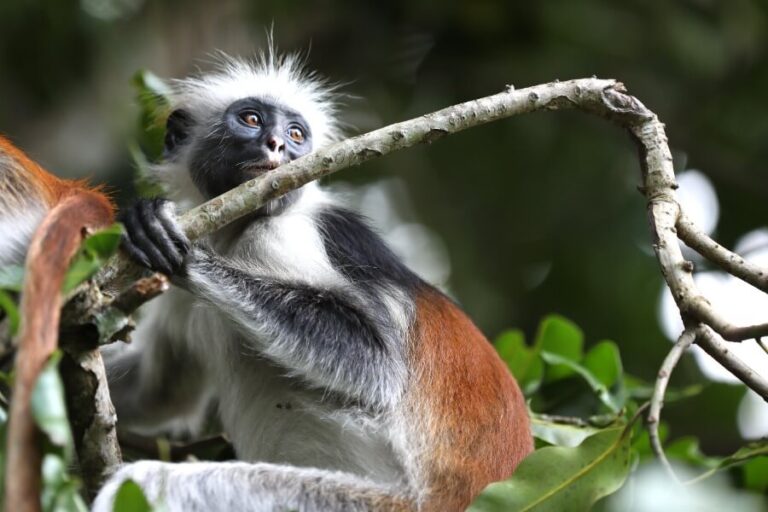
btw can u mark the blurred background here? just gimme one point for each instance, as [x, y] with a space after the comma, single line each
[517, 219]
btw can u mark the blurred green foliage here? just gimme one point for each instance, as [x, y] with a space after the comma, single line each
[130, 498]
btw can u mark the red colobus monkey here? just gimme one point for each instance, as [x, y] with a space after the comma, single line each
[344, 380]
[42, 219]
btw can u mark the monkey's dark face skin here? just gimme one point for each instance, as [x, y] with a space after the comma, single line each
[253, 136]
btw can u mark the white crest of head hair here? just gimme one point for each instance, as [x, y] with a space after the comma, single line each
[280, 78]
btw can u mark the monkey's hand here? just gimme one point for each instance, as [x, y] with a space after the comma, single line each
[153, 238]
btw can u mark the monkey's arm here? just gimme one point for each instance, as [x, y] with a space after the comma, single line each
[348, 338]
[335, 338]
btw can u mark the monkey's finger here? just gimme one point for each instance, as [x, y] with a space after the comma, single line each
[139, 237]
[158, 234]
[134, 252]
[167, 216]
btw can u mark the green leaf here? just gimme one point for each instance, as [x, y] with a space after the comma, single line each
[154, 99]
[8, 305]
[143, 183]
[560, 478]
[93, 255]
[149, 83]
[613, 402]
[559, 433]
[523, 362]
[104, 243]
[604, 362]
[756, 474]
[511, 346]
[130, 498]
[558, 335]
[12, 278]
[48, 406]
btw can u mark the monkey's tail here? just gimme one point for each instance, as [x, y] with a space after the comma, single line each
[54, 244]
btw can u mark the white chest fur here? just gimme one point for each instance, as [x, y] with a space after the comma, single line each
[270, 414]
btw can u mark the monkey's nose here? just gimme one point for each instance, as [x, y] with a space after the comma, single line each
[275, 143]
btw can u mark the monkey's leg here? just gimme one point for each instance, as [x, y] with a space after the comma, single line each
[235, 486]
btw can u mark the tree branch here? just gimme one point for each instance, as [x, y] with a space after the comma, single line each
[92, 416]
[590, 94]
[605, 98]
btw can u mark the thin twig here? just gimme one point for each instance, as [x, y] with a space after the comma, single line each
[722, 354]
[701, 310]
[141, 291]
[729, 261]
[685, 340]
[762, 344]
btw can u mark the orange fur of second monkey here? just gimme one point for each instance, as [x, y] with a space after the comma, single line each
[66, 207]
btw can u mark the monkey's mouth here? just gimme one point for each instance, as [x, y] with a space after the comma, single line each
[259, 167]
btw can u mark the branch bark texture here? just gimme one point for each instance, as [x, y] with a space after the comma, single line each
[92, 416]
[590, 94]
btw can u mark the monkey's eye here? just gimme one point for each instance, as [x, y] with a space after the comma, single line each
[296, 134]
[250, 118]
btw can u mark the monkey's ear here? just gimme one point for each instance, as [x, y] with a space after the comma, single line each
[176, 131]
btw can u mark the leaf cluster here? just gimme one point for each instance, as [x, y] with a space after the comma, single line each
[585, 413]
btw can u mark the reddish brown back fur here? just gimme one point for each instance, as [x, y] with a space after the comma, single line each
[46, 186]
[477, 428]
[57, 238]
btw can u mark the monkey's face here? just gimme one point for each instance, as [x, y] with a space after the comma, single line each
[252, 137]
